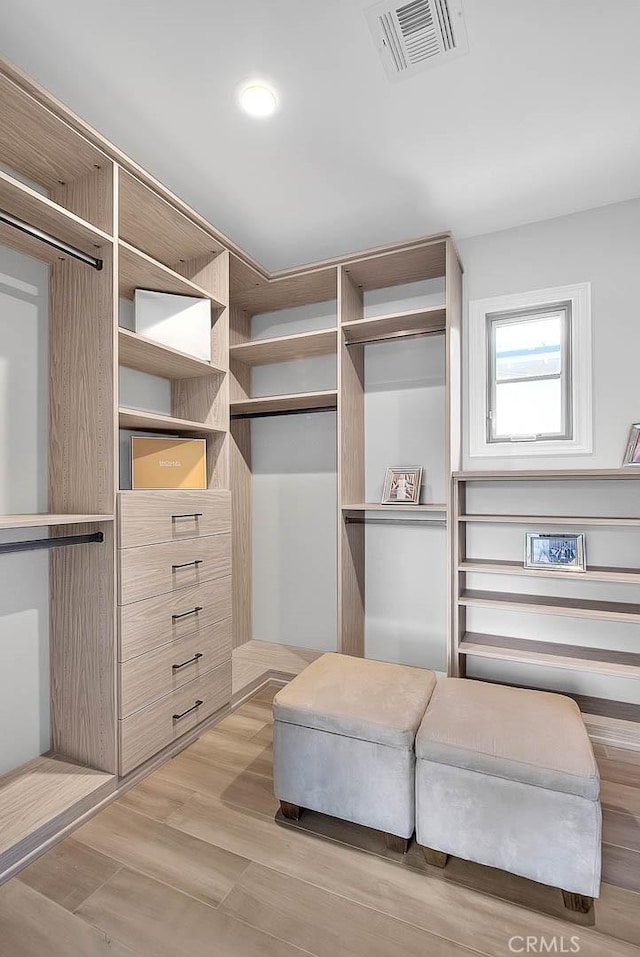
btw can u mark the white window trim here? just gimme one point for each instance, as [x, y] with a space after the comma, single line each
[581, 368]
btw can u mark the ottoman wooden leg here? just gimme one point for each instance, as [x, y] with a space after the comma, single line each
[435, 858]
[577, 902]
[291, 811]
[395, 843]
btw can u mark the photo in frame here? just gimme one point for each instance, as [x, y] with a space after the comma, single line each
[402, 485]
[560, 552]
[632, 454]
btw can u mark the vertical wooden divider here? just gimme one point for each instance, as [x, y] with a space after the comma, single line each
[351, 538]
[240, 469]
[455, 532]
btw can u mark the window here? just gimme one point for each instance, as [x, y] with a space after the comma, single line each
[530, 373]
[529, 363]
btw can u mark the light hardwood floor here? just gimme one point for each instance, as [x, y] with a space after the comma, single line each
[196, 861]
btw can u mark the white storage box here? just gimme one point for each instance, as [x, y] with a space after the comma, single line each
[181, 322]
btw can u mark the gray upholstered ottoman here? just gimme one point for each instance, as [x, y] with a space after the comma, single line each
[507, 777]
[344, 731]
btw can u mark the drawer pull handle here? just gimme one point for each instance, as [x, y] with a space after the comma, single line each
[187, 515]
[185, 614]
[176, 717]
[184, 664]
[197, 562]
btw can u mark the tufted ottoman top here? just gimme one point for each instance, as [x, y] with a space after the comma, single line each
[358, 698]
[534, 737]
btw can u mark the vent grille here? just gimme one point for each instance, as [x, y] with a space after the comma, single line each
[417, 34]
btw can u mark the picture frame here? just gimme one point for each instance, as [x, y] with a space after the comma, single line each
[632, 454]
[402, 485]
[558, 552]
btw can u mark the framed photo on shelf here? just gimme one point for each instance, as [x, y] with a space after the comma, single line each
[561, 552]
[632, 455]
[402, 486]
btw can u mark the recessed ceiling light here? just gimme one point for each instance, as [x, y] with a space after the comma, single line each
[257, 99]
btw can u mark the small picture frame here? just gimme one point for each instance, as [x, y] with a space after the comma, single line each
[632, 455]
[560, 552]
[402, 485]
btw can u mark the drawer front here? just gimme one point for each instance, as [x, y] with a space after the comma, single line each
[148, 731]
[148, 518]
[162, 569]
[147, 624]
[145, 679]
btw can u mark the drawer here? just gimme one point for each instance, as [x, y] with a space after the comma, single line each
[148, 677]
[148, 731]
[148, 518]
[161, 569]
[145, 625]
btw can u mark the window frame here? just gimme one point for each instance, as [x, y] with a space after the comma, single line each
[513, 316]
[578, 388]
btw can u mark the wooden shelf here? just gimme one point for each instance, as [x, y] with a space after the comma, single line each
[138, 352]
[618, 664]
[39, 211]
[560, 474]
[43, 519]
[598, 573]
[548, 605]
[284, 348]
[150, 223]
[575, 520]
[254, 293]
[139, 271]
[297, 402]
[377, 507]
[396, 325]
[409, 262]
[35, 798]
[154, 422]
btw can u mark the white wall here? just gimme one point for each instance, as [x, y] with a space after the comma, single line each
[601, 246]
[24, 578]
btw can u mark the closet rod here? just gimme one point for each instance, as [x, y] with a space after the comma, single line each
[37, 543]
[396, 335]
[49, 240]
[264, 415]
[434, 523]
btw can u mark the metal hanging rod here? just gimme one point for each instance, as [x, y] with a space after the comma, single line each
[434, 523]
[38, 543]
[50, 240]
[263, 415]
[396, 335]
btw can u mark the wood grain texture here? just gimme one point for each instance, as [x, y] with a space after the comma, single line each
[148, 624]
[396, 324]
[203, 399]
[303, 345]
[146, 732]
[149, 570]
[533, 475]
[43, 519]
[38, 797]
[570, 520]
[69, 873]
[140, 271]
[593, 573]
[137, 420]
[300, 289]
[151, 676]
[242, 533]
[396, 265]
[83, 650]
[138, 352]
[150, 223]
[602, 661]
[548, 605]
[92, 197]
[351, 538]
[327, 399]
[147, 518]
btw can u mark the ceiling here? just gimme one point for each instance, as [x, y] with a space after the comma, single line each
[540, 119]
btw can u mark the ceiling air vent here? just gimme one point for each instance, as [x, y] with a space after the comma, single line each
[418, 34]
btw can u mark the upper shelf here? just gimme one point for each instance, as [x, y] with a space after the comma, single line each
[299, 402]
[44, 519]
[559, 474]
[139, 271]
[553, 605]
[155, 422]
[145, 355]
[378, 507]
[573, 520]
[150, 223]
[284, 348]
[37, 210]
[407, 263]
[597, 573]
[396, 325]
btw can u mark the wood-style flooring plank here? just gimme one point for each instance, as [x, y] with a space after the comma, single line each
[186, 863]
[324, 924]
[243, 724]
[69, 873]
[159, 921]
[33, 926]
[157, 796]
[234, 753]
[417, 898]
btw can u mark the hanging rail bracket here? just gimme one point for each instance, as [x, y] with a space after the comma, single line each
[59, 542]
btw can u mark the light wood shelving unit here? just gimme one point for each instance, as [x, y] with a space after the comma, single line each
[145, 355]
[304, 345]
[468, 645]
[154, 422]
[299, 401]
